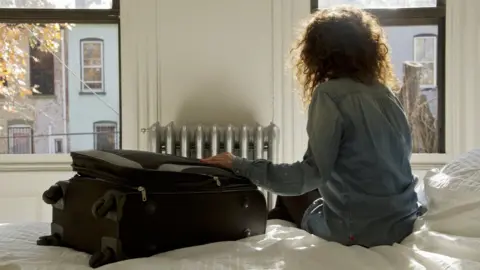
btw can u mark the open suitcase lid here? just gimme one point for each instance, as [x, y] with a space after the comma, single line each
[131, 165]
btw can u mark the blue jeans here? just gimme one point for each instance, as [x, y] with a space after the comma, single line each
[313, 220]
[292, 208]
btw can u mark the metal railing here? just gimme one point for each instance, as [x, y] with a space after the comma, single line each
[23, 140]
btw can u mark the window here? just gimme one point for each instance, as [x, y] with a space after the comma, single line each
[42, 71]
[377, 4]
[416, 33]
[58, 4]
[58, 146]
[58, 48]
[425, 53]
[105, 135]
[20, 139]
[92, 65]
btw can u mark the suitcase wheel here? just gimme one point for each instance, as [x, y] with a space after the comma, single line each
[53, 194]
[246, 202]
[49, 240]
[104, 205]
[101, 258]
[247, 233]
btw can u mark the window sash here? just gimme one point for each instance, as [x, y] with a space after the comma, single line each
[84, 82]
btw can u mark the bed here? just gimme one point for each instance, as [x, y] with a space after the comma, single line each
[446, 237]
[282, 247]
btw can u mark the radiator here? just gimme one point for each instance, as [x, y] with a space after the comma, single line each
[200, 141]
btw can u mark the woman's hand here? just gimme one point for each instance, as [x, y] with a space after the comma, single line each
[223, 160]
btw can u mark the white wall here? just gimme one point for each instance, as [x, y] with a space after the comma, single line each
[21, 195]
[230, 51]
[222, 61]
[217, 66]
[84, 109]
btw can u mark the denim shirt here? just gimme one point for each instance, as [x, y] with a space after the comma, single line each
[358, 157]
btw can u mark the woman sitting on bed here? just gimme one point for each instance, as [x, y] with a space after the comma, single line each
[355, 180]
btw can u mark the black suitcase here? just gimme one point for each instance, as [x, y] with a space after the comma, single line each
[128, 204]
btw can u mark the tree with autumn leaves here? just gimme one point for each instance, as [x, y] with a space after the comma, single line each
[15, 40]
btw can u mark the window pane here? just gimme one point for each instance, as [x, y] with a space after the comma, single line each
[57, 4]
[425, 48]
[407, 44]
[92, 50]
[83, 95]
[92, 74]
[105, 137]
[42, 71]
[372, 4]
[20, 141]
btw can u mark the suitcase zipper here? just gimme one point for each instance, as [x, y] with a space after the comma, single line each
[140, 189]
[217, 180]
[143, 191]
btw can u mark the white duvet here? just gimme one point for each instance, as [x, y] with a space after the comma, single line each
[282, 247]
[447, 237]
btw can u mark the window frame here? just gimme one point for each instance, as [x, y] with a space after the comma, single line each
[61, 162]
[83, 82]
[45, 15]
[52, 94]
[417, 17]
[11, 138]
[53, 144]
[105, 123]
[58, 142]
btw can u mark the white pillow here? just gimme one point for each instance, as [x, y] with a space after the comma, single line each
[453, 197]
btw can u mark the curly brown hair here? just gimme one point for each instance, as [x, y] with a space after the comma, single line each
[340, 42]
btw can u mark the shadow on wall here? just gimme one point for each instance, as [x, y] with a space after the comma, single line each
[213, 104]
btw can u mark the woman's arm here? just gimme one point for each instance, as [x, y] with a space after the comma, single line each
[284, 179]
[325, 130]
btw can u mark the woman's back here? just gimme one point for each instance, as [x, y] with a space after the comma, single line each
[369, 196]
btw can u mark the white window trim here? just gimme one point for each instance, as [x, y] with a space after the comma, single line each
[461, 106]
[100, 124]
[84, 88]
[435, 47]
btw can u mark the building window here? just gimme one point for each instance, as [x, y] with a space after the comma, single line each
[58, 144]
[42, 71]
[105, 135]
[425, 53]
[92, 65]
[20, 139]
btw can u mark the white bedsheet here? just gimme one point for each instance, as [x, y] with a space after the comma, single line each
[282, 247]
